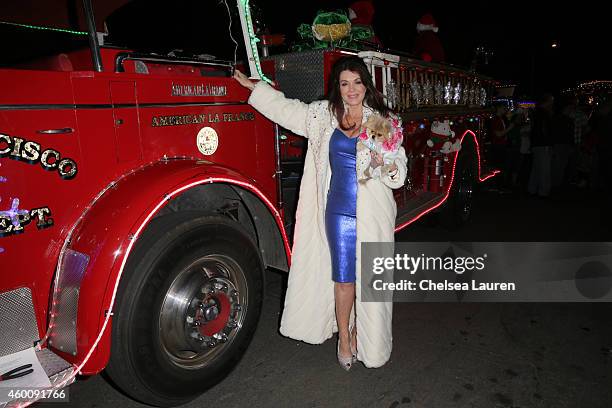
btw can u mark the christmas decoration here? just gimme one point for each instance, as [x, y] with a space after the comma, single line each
[475, 93]
[253, 40]
[361, 14]
[591, 92]
[427, 92]
[483, 96]
[34, 27]
[448, 92]
[597, 85]
[427, 23]
[331, 28]
[392, 93]
[464, 94]
[443, 138]
[472, 94]
[417, 94]
[457, 93]
[427, 45]
[439, 92]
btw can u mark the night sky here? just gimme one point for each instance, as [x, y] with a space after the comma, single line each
[519, 34]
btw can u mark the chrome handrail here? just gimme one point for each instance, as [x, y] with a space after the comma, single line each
[125, 56]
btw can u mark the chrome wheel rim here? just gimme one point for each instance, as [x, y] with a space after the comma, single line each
[203, 311]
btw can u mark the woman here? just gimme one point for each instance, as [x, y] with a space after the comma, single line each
[324, 276]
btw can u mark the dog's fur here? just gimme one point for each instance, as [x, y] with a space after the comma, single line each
[380, 130]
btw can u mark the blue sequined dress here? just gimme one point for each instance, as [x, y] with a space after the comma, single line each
[341, 209]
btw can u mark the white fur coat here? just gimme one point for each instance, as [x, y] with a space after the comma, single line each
[309, 310]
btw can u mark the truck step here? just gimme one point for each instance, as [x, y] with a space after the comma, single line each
[57, 369]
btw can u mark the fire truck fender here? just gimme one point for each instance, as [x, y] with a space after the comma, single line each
[111, 226]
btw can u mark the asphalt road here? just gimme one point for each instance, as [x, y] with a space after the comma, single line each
[444, 355]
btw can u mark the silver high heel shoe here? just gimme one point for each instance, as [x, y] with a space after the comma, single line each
[345, 362]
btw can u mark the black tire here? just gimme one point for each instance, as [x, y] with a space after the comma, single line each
[457, 210]
[184, 270]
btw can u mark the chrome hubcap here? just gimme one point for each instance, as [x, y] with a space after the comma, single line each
[203, 311]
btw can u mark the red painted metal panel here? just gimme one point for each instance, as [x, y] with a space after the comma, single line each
[32, 183]
[21, 87]
[126, 122]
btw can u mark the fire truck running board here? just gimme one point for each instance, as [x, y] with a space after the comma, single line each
[57, 369]
[416, 205]
[17, 321]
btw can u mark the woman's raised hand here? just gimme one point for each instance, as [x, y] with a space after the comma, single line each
[243, 80]
[377, 160]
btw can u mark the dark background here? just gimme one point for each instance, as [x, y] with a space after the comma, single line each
[519, 34]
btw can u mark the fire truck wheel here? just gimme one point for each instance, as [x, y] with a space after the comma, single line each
[458, 207]
[187, 307]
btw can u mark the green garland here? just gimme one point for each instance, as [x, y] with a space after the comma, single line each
[253, 41]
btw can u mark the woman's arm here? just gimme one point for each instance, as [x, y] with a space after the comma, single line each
[288, 113]
[396, 174]
[394, 178]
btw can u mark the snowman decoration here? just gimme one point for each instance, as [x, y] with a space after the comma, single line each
[443, 138]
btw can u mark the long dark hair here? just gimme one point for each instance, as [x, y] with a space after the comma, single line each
[373, 97]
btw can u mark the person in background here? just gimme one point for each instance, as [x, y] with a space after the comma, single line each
[601, 141]
[598, 153]
[427, 45]
[525, 150]
[563, 144]
[541, 147]
[580, 122]
[498, 131]
[514, 158]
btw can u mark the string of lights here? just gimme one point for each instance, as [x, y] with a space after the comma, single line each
[596, 84]
[253, 40]
[591, 86]
[34, 27]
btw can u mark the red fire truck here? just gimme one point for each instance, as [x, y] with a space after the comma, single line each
[142, 198]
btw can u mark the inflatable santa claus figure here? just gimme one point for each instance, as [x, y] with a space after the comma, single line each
[361, 13]
[427, 45]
